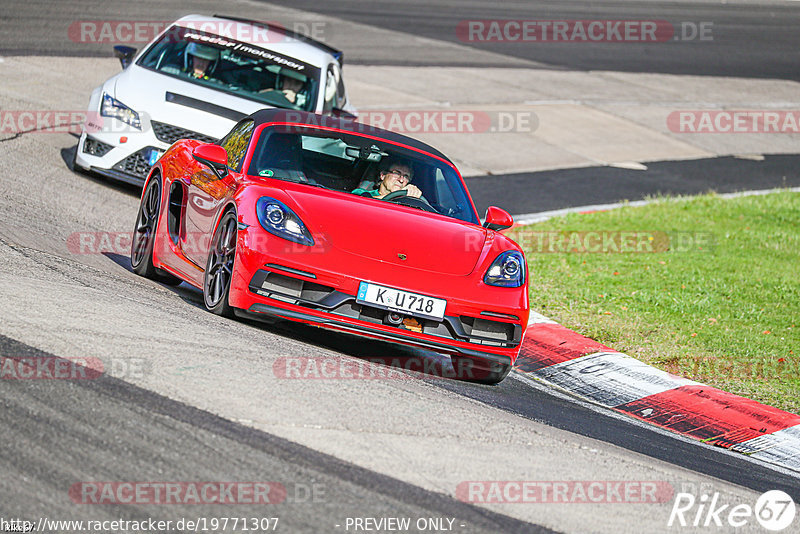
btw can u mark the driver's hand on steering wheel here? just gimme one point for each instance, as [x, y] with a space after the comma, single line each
[413, 191]
[290, 95]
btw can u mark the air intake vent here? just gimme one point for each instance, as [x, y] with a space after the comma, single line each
[169, 133]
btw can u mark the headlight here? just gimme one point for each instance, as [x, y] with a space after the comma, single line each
[508, 270]
[111, 107]
[276, 218]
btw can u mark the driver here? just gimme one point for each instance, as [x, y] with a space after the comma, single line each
[394, 177]
[201, 60]
[292, 86]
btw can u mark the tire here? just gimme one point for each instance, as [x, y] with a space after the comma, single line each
[219, 266]
[144, 236]
[479, 371]
[75, 167]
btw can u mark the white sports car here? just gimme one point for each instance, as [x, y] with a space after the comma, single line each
[196, 80]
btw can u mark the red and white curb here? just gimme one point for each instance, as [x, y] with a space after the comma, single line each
[588, 369]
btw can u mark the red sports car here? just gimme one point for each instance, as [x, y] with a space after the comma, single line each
[339, 225]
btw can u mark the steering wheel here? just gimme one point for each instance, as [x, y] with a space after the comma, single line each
[275, 97]
[401, 197]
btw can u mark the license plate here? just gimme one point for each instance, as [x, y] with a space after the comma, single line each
[154, 155]
[401, 301]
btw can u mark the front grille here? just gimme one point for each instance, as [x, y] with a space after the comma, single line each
[320, 297]
[137, 163]
[169, 133]
[93, 147]
[489, 332]
[304, 292]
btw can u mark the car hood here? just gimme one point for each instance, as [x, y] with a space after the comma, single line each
[391, 233]
[193, 107]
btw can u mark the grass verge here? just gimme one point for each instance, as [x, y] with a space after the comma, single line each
[703, 287]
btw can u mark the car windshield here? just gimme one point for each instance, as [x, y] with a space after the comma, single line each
[353, 164]
[234, 67]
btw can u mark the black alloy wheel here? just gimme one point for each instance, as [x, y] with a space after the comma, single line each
[219, 267]
[144, 236]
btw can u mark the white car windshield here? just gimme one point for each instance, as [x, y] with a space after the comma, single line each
[234, 67]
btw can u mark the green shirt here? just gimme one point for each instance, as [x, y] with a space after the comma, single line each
[374, 193]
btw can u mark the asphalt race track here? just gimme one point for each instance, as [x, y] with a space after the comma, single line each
[756, 39]
[189, 397]
[570, 188]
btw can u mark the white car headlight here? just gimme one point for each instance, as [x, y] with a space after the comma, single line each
[111, 107]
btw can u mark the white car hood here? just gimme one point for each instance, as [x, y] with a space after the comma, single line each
[142, 89]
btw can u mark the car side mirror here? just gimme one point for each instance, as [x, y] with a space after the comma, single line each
[213, 156]
[124, 54]
[497, 219]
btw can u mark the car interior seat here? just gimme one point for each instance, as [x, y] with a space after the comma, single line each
[282, 151]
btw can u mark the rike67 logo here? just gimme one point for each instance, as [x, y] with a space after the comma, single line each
[774, 511]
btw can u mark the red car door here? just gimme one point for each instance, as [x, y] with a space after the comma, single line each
[206, 192]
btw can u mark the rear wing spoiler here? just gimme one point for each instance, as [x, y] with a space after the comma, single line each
[336, 53]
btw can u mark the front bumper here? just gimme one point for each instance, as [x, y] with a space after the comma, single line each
[480, 322]
[259, 311]
[104, 153]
